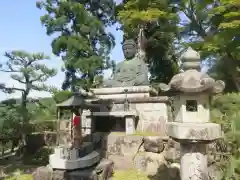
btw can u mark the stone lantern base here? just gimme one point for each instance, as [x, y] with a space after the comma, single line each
[102, 170]
[194, 131]
[69, 159]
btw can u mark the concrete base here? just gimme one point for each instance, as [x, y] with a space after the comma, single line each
[56, 162]
[194, 132]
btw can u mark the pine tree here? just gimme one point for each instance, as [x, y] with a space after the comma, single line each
[82, 39]
[28, 70]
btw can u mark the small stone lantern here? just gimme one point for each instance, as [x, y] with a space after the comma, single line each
[191, 125]
[69, 153]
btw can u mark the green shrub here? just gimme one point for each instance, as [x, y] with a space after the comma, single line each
[21, 177]
[61, 96]
[226, 111]
[40, 126]
[41, 157]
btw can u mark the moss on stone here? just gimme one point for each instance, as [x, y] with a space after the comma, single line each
[137, 133]
[141, 133]
[20, 177]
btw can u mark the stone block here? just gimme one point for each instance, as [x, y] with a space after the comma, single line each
[46, 173]
[152, 106]
[194, 132]
[131, 144]
[122, 96]
[172, 155]
[156, 127]
[149, 162]
[121, 90]
[116, 113]
[58, 163]
[155, 145]
[130, 124]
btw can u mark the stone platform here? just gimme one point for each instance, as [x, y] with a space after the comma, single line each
[75, 163]
[146, 111]
[102, 170]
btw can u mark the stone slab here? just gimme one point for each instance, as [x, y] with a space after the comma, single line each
[116, 113]
[194, 132]
[121, 90]
[123, 96]
[83, 162]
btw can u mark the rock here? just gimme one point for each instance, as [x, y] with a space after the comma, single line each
[153, 162]
[173, 144]
[174, 171]
[172, 155]
[42, 173]
[214, 173]
[46, 173]
[153, 144]
[122, 162]
[107, 167]
[140, 162]
[114, 145]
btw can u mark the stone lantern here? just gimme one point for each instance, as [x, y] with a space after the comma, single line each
[70, 152]
[191, 125]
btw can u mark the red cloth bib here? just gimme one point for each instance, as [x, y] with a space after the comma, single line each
[76, 121]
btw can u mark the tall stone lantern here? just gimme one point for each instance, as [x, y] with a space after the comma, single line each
[191, 125]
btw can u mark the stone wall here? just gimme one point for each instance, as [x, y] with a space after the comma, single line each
[157, 156]
[152, 156]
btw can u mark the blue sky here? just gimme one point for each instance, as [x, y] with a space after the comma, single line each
[21, 30]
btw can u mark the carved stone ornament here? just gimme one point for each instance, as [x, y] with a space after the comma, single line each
[193, 81]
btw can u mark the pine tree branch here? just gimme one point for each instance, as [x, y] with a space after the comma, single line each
[10, 89]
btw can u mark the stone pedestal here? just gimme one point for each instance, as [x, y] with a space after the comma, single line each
[103, 170]
[193, 140]
[193, 161]
[151, 110]
[69, 159]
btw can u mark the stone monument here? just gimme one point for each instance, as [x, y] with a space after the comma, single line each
[191, 115]
[133, 71]
[128, 95]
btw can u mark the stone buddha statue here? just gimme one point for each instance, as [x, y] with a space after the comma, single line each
[133, 71]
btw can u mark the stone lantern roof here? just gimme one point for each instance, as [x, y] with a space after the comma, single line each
[192, 80]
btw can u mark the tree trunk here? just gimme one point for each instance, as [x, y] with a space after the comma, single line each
[2, 148]
[24, 113]
[232, 65]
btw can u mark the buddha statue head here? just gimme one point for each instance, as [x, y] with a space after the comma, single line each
[129, 48]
